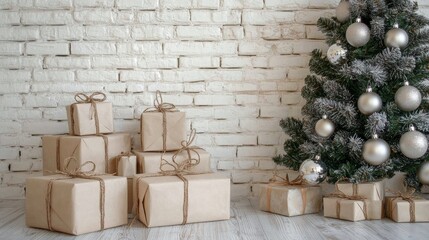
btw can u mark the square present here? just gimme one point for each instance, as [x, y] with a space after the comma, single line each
[290, 200]
[149, 162]
[160, 201]
[352, 210]
[127, 166]
[400, 210]
[73, 205]
[369, 190]
[152, 131]
[87, 118]
[102, 150]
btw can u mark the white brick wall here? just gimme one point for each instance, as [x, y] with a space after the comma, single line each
[234, 66]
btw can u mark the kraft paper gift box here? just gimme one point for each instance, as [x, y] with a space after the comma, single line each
[352, 210]
[149, 162]
[86, 117]
[400, 210]
[290, 200]
[160, 200]
[73, 204]
[370, 190]
[127, 166]
[102, 150]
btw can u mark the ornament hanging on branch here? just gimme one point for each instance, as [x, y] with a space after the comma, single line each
[376, 151]
[424, 173]
[408, 98]
[313, 171]
[336, 53]
[358, 33]
[369, 102]
[396, 37]
[343, 11]
[413, 144]
[324, 127]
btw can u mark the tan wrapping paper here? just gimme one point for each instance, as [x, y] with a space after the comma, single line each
[130, 194]
[127, 166]
[84, 148]
[160, 200]
[290, 200]
[352, 210]
[75, 203]
[149, 162]
[399, 210]
[371, 190]
[81, 119]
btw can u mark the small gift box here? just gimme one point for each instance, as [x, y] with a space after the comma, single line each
[369, 190]
[102, 150]
[90, 115]
[127, 165]
[162, 127]
[407, 208]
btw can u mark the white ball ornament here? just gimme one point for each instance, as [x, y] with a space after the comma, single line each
[423, 174]
[324, 127]
[413, 144]
[313, 171]
[396, 37]
[376, 151]
[358, 34]
[408, 98]
[336, 53]
[343, 11]
[369, 102]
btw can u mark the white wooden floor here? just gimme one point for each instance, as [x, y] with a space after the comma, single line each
[247, 222]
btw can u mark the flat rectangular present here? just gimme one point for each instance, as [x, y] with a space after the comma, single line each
[352, 210]
[152, 131]
[73, 204]
[160, 200]
[102, 150]
[82, 120]
[127, 166]
[290, 200]
[370, 190]
[400, 210]
[149, 162]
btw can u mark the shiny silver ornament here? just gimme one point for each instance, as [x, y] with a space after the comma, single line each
[376, 151]
[424, 173]
[358, 34]
[369, 102]
[413, 144]
[396, 37]
[343, 11]
[408, 98]
[324, 127]
[336, 53]
[313, 171]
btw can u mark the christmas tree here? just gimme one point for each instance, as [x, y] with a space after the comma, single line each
[363, 98]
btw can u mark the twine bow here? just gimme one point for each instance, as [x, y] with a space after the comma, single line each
[342, 195]
[408, 196]
[92, 99]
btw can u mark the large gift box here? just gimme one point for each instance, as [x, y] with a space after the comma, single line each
[76, 205]
[102, 150]
[352, 210]
[90, 115]
[290, 200]
[169, 200]
[407, 210]
[369, 190]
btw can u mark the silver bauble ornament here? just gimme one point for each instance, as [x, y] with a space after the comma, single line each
[313, 171]
[369, 102]
[343, 11]
[408, 98]
[336, 53]
[376, 151]
[413, 144]
[396, 37]
[424, 173]
[358, 34]
[324, 127]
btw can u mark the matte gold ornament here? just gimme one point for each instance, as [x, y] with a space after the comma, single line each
[413, 144]
[396, 37]
[343, 11]
[408, 98]
[336, 53]
[424, 173]
[358, 34]
[369, 102]
[324, 127]
[376, 151]
[313, 171]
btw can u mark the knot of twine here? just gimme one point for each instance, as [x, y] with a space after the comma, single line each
[408, 196]
[77, 172]
[342, 195]
[92, 99]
